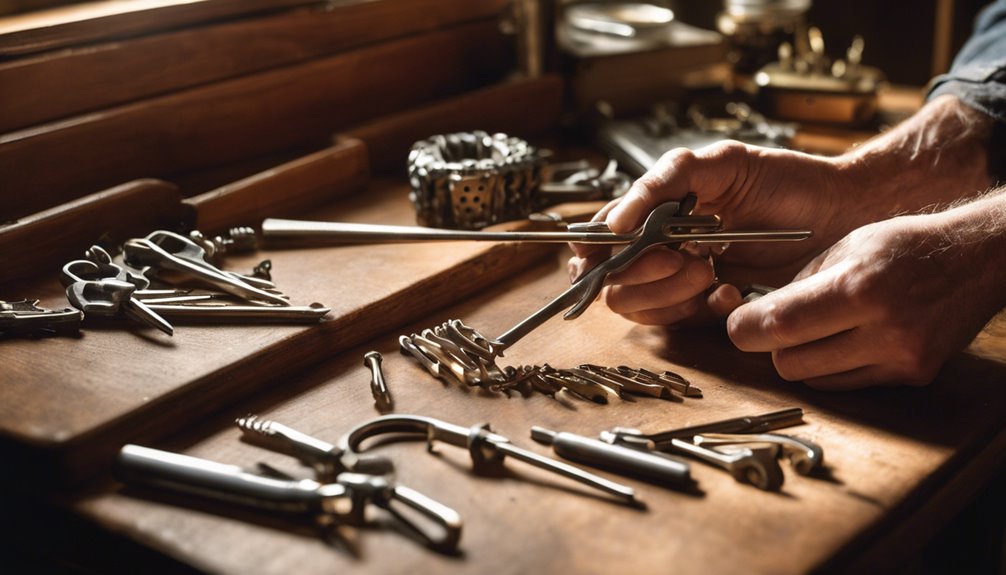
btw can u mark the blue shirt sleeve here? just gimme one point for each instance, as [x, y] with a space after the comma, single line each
[978, 76]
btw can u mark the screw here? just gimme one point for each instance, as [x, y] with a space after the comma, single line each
[378, 387]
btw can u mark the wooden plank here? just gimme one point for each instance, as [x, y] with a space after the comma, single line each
[887, 450]
[73, 81]
[245, 117]
[93, 21]
[37, 244]
[523, 108]
[285, 190]
[64, 419]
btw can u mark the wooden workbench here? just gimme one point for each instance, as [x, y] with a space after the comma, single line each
[899, 460]
[265, 128]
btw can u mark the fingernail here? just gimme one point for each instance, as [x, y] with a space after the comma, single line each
[700, 275]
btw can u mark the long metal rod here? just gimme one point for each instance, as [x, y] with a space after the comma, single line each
[343, 232]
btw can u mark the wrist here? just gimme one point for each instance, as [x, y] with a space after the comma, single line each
[936, 157]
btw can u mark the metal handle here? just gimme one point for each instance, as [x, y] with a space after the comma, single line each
[447, 522]
[345, 232]
[229, 483]
[615, 457]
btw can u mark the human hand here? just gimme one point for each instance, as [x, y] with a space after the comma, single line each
[750, 188]
[888, 304]
[939, 155]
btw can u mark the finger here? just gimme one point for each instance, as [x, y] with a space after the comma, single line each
[603, 212]
[839, 353]
[859, 378]
[710, 173]
[584, 250]
[693, 279]
[576, 267]
[656, 264]
[801, 312]
[660, 183]
[724, 299]
[587, 250]
[668, 315]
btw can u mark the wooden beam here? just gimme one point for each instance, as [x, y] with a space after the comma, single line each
[96, 21]
[285, 190]
[244, 117]
[521, 108]
[40, 243]
[72, 81]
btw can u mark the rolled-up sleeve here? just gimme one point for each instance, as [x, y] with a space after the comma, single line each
[978, 75]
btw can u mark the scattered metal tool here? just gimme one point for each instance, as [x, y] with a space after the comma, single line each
[218, 312]
[581, 182]
[378, 387]
[487, 449]
[95, 295]
[344, 500]
[740, 445]
[172, 252]
[107, 268]
[653, 466]
[456, 353]
[323, 457]
[236, 239]
[24, 318]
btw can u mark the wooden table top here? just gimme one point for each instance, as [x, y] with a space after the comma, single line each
[900, 461]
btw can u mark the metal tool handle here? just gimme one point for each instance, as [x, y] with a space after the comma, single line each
[446, 532]
[614, 457]
[229, 483]
[345, 232]
[747, 424]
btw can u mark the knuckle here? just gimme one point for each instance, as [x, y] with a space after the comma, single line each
[726, 151]
[780, 325]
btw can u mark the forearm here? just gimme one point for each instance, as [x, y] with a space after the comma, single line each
[936, 158]
[976, 232]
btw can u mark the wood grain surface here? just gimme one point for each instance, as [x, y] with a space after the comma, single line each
[67, 403]
[888, 452]
[39, 243]
[293, 187]
[104, 19]
[521, 107]
[73, 81]
[231, 120]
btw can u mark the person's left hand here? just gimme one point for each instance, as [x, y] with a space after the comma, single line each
[888, 304]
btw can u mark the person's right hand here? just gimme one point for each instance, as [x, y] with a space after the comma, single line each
[749, 188]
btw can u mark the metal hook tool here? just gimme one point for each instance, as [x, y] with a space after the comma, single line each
[486, 448]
